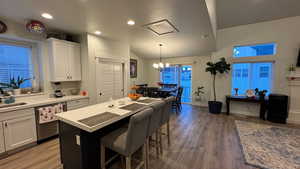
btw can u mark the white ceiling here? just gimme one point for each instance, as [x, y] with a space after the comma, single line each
[110, 17]
[240, 12]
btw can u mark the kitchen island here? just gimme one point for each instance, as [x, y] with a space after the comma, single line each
[80, 130]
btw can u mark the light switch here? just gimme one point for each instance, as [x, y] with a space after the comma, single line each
[77, 140]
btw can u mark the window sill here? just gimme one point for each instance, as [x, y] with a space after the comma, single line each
[29, 94]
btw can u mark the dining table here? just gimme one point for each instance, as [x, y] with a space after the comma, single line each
[81, 130]
[167, 91]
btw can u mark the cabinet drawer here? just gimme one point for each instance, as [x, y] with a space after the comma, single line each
[76, 104]
[16, 114]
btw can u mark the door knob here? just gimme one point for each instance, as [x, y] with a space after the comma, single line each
[100, 94]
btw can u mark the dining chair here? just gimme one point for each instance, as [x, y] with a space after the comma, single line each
[127, 140]
[177, 103]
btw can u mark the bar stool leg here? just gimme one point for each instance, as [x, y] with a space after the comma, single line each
[102, 157]
[168, 133]
[160, 141]
[156, 144]
[147, 151]
[145, 156]
[128, 162]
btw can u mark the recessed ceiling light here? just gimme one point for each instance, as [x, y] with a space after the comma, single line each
[130, 22]
[98, 32]
[47, 16]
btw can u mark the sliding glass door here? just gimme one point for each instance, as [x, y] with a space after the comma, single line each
[180, 75]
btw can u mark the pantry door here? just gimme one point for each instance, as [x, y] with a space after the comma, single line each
[109, 81]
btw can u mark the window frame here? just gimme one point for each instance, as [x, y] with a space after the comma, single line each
[36, 82]
[276, 50]
[256, 59]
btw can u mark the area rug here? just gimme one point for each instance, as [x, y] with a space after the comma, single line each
[269, 147]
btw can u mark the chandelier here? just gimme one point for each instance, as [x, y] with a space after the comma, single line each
[160, 65]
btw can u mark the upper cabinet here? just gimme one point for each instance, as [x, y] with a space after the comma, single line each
[65, 64]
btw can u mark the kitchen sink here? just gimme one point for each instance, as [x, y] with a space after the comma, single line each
[12, 105]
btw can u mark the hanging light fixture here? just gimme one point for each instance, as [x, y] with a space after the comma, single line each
[160, 65]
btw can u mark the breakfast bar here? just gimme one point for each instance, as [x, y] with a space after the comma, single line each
[81, 130]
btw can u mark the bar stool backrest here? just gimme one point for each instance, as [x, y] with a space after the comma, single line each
[137, 130]
[156, 116]
[167, 109]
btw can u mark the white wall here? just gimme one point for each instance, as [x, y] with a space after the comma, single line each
[285, 32]
[199, 76]
[141, 71]
[96, 46]
[17, 32]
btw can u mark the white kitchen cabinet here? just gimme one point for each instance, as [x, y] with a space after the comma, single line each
[2, 145]
[65, 60]
[19, 132]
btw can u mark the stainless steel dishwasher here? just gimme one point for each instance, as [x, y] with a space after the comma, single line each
[47, 128]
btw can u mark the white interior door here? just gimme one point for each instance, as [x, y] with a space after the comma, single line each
[104, 81]
[118, 81]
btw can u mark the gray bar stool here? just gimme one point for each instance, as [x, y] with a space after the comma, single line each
[154, 126]
[167, 110]
[127, 141]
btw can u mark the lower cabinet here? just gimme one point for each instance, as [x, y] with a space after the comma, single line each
[2, 145]
[19, 132]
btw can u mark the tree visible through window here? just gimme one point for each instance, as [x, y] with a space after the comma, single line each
[15, 61]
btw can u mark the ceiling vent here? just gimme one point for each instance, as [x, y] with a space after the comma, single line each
[161, 27]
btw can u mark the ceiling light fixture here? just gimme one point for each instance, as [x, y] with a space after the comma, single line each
[98, 32]
[131, 22]
[47, 16]
[160, 65]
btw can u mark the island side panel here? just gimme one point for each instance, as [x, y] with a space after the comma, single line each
[70, 151]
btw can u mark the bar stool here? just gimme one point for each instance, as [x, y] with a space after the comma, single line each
[127, 141]
[167, 110]
[154, 126]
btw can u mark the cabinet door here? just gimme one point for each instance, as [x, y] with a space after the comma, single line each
[74, 63]
[60, 61]
[19, 132]
[2, 146]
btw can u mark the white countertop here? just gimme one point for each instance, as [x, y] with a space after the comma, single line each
[72, 117]
[39, 101]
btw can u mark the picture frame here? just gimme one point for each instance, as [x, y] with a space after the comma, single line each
[133, 68]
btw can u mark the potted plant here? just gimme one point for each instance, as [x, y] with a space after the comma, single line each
[219, 67]
[198, 93]
[15, 84]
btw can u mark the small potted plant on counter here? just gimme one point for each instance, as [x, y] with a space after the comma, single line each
[15, 84]
[219, 67]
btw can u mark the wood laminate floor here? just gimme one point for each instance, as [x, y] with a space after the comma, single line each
[199, 141]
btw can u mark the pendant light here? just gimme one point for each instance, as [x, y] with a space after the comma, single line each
[160, 65]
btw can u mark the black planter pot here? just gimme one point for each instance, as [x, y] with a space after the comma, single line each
[215, 107]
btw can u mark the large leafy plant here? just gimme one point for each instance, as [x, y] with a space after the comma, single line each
[220, 67]
[14, 83]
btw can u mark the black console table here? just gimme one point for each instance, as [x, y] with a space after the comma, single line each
[263, 103]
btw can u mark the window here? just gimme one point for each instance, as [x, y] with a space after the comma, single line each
[254, 50]
[251, 76]
[15, 60]
[180, 75]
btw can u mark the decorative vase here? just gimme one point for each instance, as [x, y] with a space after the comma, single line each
[17, 91]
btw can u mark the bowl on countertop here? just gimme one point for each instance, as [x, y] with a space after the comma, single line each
[134, 97]
[74, 91]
